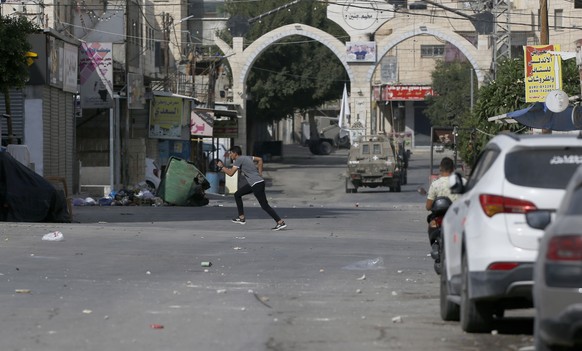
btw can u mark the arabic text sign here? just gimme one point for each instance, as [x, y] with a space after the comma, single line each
[543, 71]
[166, 117]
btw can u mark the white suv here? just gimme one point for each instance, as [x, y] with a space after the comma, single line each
[489, 250]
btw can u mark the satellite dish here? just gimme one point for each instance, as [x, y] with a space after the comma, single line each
[557, 101]
[577, 117]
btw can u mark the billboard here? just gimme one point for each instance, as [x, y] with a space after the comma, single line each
[96, 75]
[166, 117]
[361, 51]
[543, 71]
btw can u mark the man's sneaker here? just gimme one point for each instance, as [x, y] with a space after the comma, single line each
[239, 220]
[280, 226]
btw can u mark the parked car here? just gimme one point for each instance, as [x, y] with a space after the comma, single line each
[152, 174]
[558, 273]
[489, 250]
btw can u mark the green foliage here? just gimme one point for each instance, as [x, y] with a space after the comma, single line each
[296, 73]
[451, 82]
[13, 47]
[505, 94]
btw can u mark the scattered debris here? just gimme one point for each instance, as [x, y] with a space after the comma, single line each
[206, 264]
[397, 319]
[53, 236]
[373, 263]
[87, 311]
[262, 300]
[22, 291]
[362, 277]
[156, 326]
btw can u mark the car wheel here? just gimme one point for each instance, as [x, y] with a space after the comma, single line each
[540, 345]
[350, 188]
[398, 187]
[314, 148]
[325, 148]
[476, 317]
[450, 311]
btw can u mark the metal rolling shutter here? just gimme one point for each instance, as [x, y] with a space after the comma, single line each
[59, 134]
[17, 107]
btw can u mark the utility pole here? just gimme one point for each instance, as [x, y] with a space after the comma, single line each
[545, 36]
[166, 26]
[544, 29]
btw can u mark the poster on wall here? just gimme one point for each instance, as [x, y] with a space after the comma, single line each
[361, 51]
[135, 92]
[166, 117]
[70, 67]
[96, 75]
[55, 62]
[543, 71]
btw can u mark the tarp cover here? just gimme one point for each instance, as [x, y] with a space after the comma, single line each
[26, 196]
[538, 116]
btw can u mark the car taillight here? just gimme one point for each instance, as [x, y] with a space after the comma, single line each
[502, 266]
[565, 248]
[494, 204]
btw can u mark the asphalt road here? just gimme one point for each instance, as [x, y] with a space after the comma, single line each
[350, 272]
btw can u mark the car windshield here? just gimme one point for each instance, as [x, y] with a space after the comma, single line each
[549, 168]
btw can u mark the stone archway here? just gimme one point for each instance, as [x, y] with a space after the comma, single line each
[241, 60]
[360, 75]
[479, 59]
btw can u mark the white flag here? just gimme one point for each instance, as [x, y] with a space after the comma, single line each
[344, 109]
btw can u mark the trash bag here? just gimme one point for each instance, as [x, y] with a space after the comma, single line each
[27, 197]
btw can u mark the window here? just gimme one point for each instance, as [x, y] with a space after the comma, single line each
[484, 162]
[558, 19]
[432, 50]
[578, 4]
[366, 149]
[549, 168]
[377, 149]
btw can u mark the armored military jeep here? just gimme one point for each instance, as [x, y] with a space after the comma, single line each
[372, 162]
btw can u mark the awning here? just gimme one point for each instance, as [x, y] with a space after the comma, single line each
[538, 116]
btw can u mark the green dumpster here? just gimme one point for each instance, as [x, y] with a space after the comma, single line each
[183, 184]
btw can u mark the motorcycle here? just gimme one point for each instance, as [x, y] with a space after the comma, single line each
[438, 210]
[435, 222]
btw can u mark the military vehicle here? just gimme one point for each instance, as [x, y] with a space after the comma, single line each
[373, 162]
[322, 135]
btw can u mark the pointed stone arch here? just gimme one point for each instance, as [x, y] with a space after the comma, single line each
[480, 60]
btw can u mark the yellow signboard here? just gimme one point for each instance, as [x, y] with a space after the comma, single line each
[543, 71]
[166, 117]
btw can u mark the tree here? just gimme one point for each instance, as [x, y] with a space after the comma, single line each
[296, 73]
[451, 82]
[13, 55]
[505, 94]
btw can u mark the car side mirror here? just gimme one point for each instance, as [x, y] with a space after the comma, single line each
[539, 219]
[456, 183]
